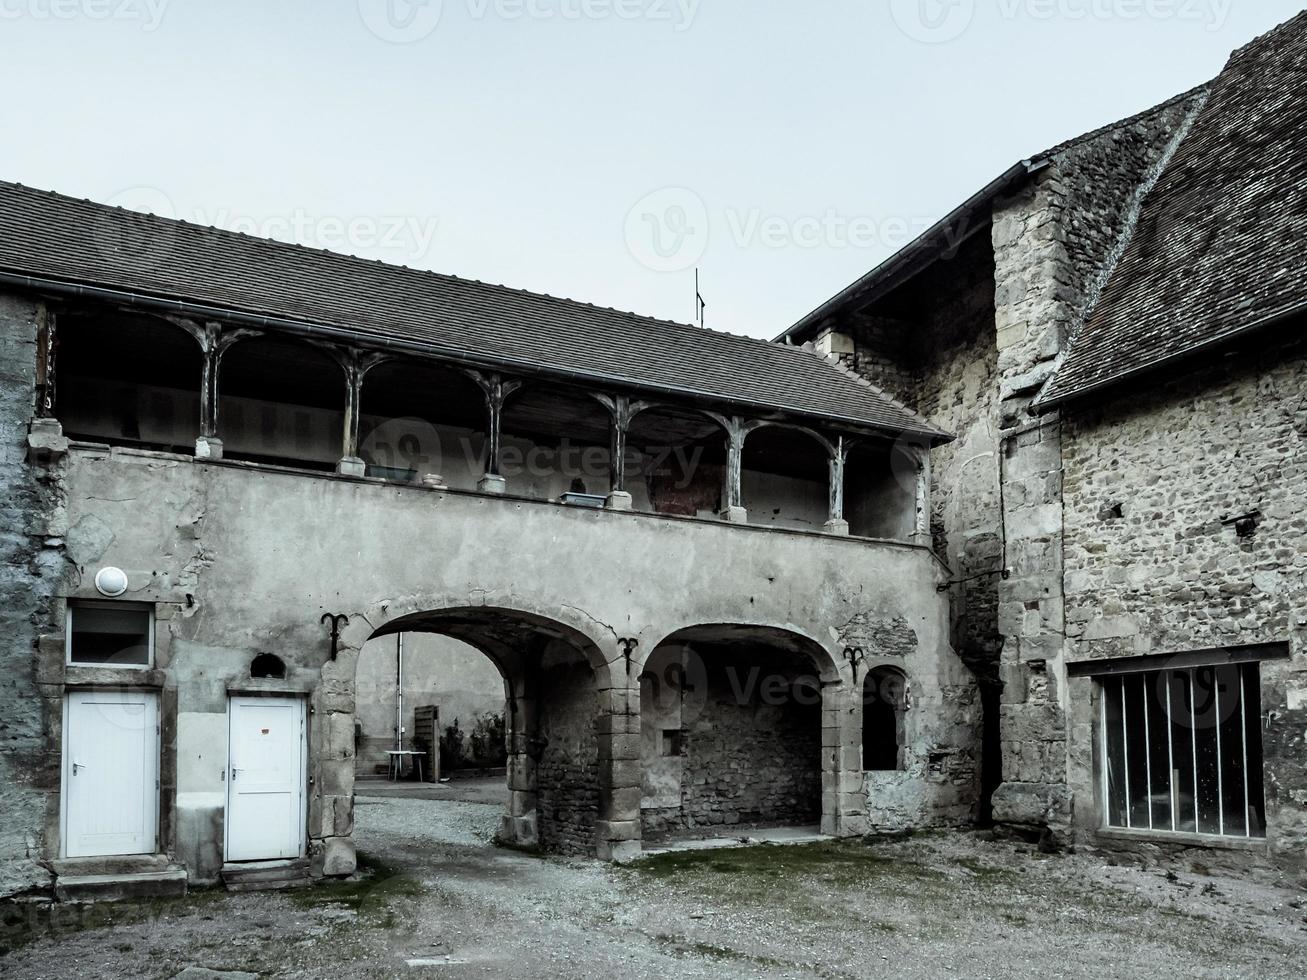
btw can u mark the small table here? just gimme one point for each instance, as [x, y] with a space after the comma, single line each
[395, 765]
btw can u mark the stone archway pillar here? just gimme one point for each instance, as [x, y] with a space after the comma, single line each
[843, 791]
[618, 832]
[331, 768]
[520, 826]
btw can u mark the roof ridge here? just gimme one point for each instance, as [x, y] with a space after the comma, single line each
[347, 256]
[1292, 22]
[1093, 134]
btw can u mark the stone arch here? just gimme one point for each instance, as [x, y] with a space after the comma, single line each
[829, 667]
[560, 672]
[735, 719]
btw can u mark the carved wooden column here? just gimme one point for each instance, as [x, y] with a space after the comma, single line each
[737, 430]
[214, 340]
[623, 411]
[839, 456]
[497, 391]
[355, 364]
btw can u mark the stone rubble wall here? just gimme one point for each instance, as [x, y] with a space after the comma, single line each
[754, 759]
[1054, 243]
[567, 773]
[1167, 575]
[31, 569]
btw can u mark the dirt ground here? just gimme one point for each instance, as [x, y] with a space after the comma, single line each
[434, 898]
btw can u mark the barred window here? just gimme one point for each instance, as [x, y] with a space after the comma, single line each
[1183, 750]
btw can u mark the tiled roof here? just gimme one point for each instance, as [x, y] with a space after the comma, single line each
[74, 241]
[945, 236]
[1219, 246]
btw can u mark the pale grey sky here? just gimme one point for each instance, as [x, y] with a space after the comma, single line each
[596, 149]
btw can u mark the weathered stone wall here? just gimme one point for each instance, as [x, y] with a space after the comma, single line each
[940, 780]
[1054, 244]
[1166, 575]
[958, 393]
[753, 747]
[567, 774]
[31, 567]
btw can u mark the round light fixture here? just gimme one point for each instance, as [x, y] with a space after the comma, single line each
[111, 581]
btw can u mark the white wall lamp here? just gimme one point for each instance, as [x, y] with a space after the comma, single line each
[111, 582]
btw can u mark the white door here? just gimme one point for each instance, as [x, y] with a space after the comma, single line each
[111, 773]
[265, 779]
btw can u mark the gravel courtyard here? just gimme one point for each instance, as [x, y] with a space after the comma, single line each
[435, 899]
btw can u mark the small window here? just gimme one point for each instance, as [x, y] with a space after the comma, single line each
[884, 705]
[268, 665]
[105, 634]
[1183, 751]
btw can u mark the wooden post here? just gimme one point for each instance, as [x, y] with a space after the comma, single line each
[497, 391]
[355, 364]
[622, 411]
[214, 340]
[839, 455]
[737, 430]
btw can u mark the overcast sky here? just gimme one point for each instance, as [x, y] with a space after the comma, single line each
[596, 149]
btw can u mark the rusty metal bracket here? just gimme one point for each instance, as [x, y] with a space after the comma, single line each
[855, 656]
[337, 622]
[628, 645]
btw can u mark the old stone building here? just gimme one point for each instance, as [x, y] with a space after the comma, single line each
[1114, 330]
[230, 463]
[1011, 527]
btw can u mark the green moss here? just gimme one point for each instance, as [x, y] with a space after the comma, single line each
[838, 862]
[22, 923]
[373, 893]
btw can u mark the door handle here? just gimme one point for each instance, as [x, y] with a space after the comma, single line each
[76, 766]
[234, 771]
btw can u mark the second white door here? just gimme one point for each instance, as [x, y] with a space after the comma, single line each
[265, 779]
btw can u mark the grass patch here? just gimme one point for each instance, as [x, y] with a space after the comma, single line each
[373, 893]
[26, 922]
[836, 862]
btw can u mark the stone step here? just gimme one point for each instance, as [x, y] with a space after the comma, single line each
[169, 883]
[121, 864]
[266, 875]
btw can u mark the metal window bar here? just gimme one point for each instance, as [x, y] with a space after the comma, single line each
[1243, 745]
[1125, 754]
[1148, 753]
[1107, 759]
[1193, 734]
[1166, 678]
[1220, 758]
